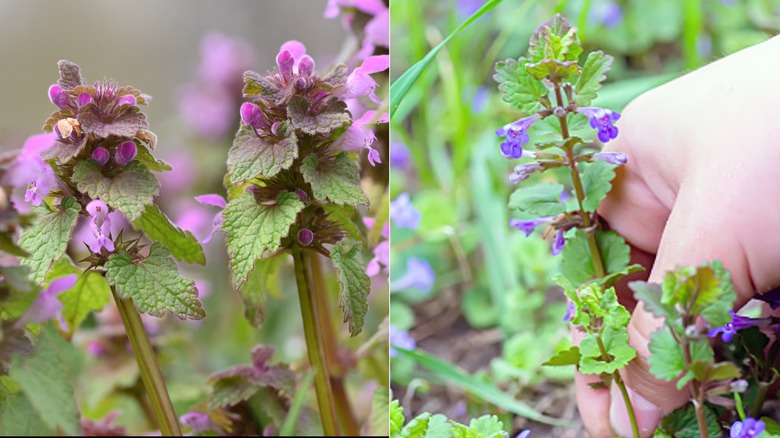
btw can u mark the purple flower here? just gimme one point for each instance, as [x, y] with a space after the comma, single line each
[370, 7]
[772, 298]
[748, 428]
[528, 226]
[58, 97]
[207, 109]
[524, 434]
[84, 98]
[381, 258]
[252, 116]
[602, 120]
[480, 100]
[736, 324]
[360, 135]
[199, 422]
[46, 304]
[216, 222]
[305, 236]
[125, 153]
[223, 59]
[101, 155]
[288, 59]
[127, 99]
[400, 157]
[403, 212]
[609, 14]
[100, 225]
[570, 309]
[515, 136]
[558, 243]
[614, 158]
[523, 171]
[359, 83]
[466, 8]
[400, 339]
[418, 275]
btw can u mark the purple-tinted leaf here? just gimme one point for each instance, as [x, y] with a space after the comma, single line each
[314, 120]
[252, 155]
[70, 76]
[125, 124]
[64, 152]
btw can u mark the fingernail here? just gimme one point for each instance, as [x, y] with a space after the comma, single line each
[647, 414]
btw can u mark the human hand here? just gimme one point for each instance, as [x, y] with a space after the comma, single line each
[700, 184]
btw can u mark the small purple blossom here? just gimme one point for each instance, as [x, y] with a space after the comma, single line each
[748, 428]
[381, 250]
[199, 422]
[400, 157]
[400, 339]
[558, 242]
[403, 213]
[772, 298]
[218, 220]
[125, 153]
[524, 434]
[419, 275]
[480, 100]
[101, 155]
[570, 309]
[523, 171]
[515, 136]
[602, 120]
[614, 158]
[252, 116]
[84, 98]
[736, 324]
[608, 14]
[46, 304]
[30, 171]
[305, 236]
[301, 195]
[529, 225]
[127, 99]
[359, 83]
[58, 97]
[100, 225]
[360, 135]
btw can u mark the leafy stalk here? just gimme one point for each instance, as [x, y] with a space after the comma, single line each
[150, 369]
[312, 328]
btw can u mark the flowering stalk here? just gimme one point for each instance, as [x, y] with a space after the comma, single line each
[313, 329]
[148, 366]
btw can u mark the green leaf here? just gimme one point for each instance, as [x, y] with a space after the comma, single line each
[129, 191]
[486, 426]
[650, 295]
[8, 246]
[251, 155]
[596, 183]
[521, 90]
[182, 244]
[151, 163]
[90, 293]
[548, 67]
[450, 374]
[615, 253]
[17, 277]
[615, 342]
[717, 313]
[538, 200]
[355, 284]
[19, 418]
[593, 74]
[577, 263]
[377, 424]
[565, 357]
[44, 380]
[262, 280]
[682, 423]
[396, 418]
[666, 356]
[47, 238]
[154, 284]
[337, 181]
[313, 121]
[252, 229]
[555, 39]
[230, 391]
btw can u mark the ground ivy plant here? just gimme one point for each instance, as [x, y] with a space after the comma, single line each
[95, 166]
[552, 91]
[294, 188]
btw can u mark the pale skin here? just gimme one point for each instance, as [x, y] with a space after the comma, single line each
[702, 183]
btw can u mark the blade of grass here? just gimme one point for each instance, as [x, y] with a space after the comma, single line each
[288, 427]
[401, 86]
[454, 376]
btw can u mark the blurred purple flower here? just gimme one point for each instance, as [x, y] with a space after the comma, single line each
[602, 120]
[46, 304]
[418, 275]
[569, 314]
[467, 7]
[748, 428]
[216, 222]
[523, 171]
[224, 59]
[370, 7]
[704, 46]
[104, 427]
[736, 324]
[558, 243]
[614, 158]
[381, 250]
[403, 212]
[30, 171]
[361, 135]
[480, 99]
[100, 225]
[524, 434]
[207, 109]
[516, 135]
[529, 225]
[359, 83]
[400, 157]
[199, 422]
[400, 339]
[609, 14]
[772, 298]
[183, 172]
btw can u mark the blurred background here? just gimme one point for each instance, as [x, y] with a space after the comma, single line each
[471, 298]
[189, 56]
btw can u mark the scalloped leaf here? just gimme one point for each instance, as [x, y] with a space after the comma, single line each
[317, 121]
[47, 239]
[593, 74]
[355, 284]
[252, 156]
[129, 191]
[182, 244]
[337, 181]
[520, 90]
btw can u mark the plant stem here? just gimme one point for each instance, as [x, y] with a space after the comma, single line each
[312, 328]
[150, 369]
[343, 409]
[696, 390]
[622, 387]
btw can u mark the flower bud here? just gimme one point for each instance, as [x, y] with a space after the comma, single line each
[127, 99]
[614, 158]
[125, 152]
[559, 112]
[523, 171]
[101, 155]
[252, 116]
[58, 97]
[285, 62]
[301, 195]
[305, 236]
[740, 385]
[84, 98]
[692, 331]
[306, 66]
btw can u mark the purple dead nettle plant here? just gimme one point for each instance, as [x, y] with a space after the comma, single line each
[553, 94]
[294, 188]
[96, 166]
